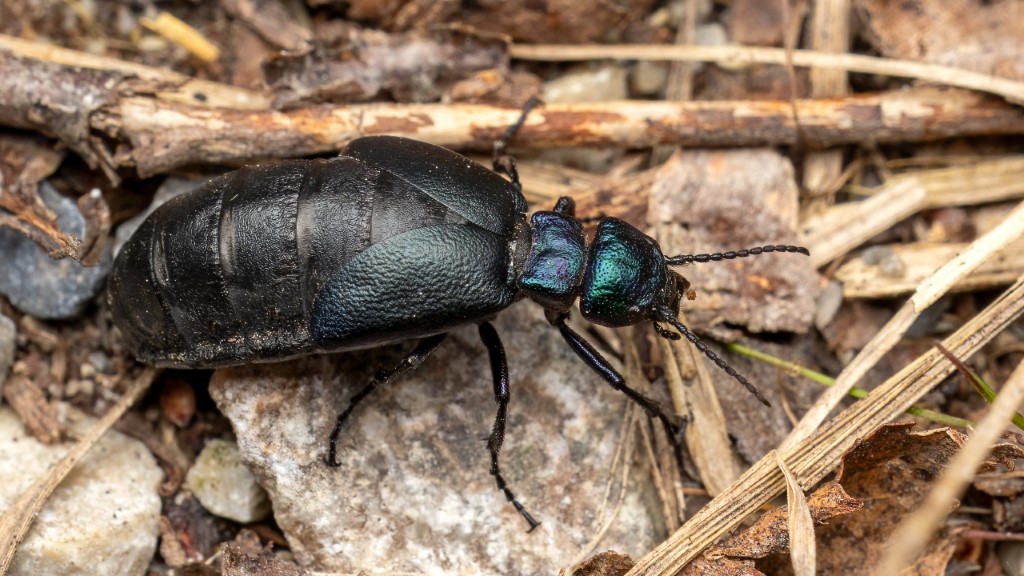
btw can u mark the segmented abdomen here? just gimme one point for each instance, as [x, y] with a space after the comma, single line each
[228, 273]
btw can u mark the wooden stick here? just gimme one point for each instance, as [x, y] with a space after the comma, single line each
[159, 122]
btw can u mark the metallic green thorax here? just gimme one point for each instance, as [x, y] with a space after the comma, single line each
[554, 267]
[626, 276]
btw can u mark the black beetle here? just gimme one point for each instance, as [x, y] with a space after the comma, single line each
[395, 240]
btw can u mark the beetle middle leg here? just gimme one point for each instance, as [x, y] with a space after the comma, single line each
[499, 371]
[414, 359]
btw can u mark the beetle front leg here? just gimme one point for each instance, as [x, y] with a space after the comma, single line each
[499, 372]
[675, 424]
[414, 359]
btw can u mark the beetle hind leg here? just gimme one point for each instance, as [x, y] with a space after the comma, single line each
[499, 371]
[414, 359]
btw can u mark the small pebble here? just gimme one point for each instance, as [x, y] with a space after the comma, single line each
[41, 286]
[8, 333]
[224, 486]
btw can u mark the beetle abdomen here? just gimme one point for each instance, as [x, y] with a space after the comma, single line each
[229, 273]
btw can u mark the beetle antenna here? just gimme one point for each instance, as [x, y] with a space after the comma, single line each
[719, 256]
[666, 315]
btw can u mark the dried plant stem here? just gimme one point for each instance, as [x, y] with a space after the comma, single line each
[740, 55]
[930, 290]
[840, 230]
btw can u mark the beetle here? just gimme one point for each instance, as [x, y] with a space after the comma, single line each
[394, 240]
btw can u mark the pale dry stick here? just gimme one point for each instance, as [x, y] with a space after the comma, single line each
[829, 33]
[836, 232]
[984, 181]
[813, 459]
[180, 33]
[710, 447]
[159, 137]
[679, 86]
[179, 87]
[914, 532]
[802, 548]
[16, 521]
[666, 481]
[920, 260]
[930, 290]
[740, 55]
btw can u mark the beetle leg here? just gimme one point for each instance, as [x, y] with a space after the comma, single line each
[499, 371]
[675, 424]
[665, 332]
[566, 206]
[500, 161]
[414, 359]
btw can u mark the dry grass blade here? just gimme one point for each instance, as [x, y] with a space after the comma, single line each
[815, 457]
[980, 251]
[16, 521]
[740, 55]
[802, 549]
[173, 29]
[915, 531]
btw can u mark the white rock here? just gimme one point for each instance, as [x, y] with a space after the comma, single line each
[413, 493]
[102, 519]
[224, 486]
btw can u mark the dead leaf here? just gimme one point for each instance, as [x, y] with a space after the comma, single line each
[607, 563]
[769, 535]
[892, 472]
[802, 549]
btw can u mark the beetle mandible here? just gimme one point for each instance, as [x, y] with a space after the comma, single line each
[392, 241]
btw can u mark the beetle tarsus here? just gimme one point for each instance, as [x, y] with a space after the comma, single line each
[414, 359]
[499, 372]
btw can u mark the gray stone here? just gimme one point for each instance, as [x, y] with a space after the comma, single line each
[41, 286]
[588, 84]
[102, 519]
[170, 188]
[413, 493]
[224, 486]
[7, 342]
